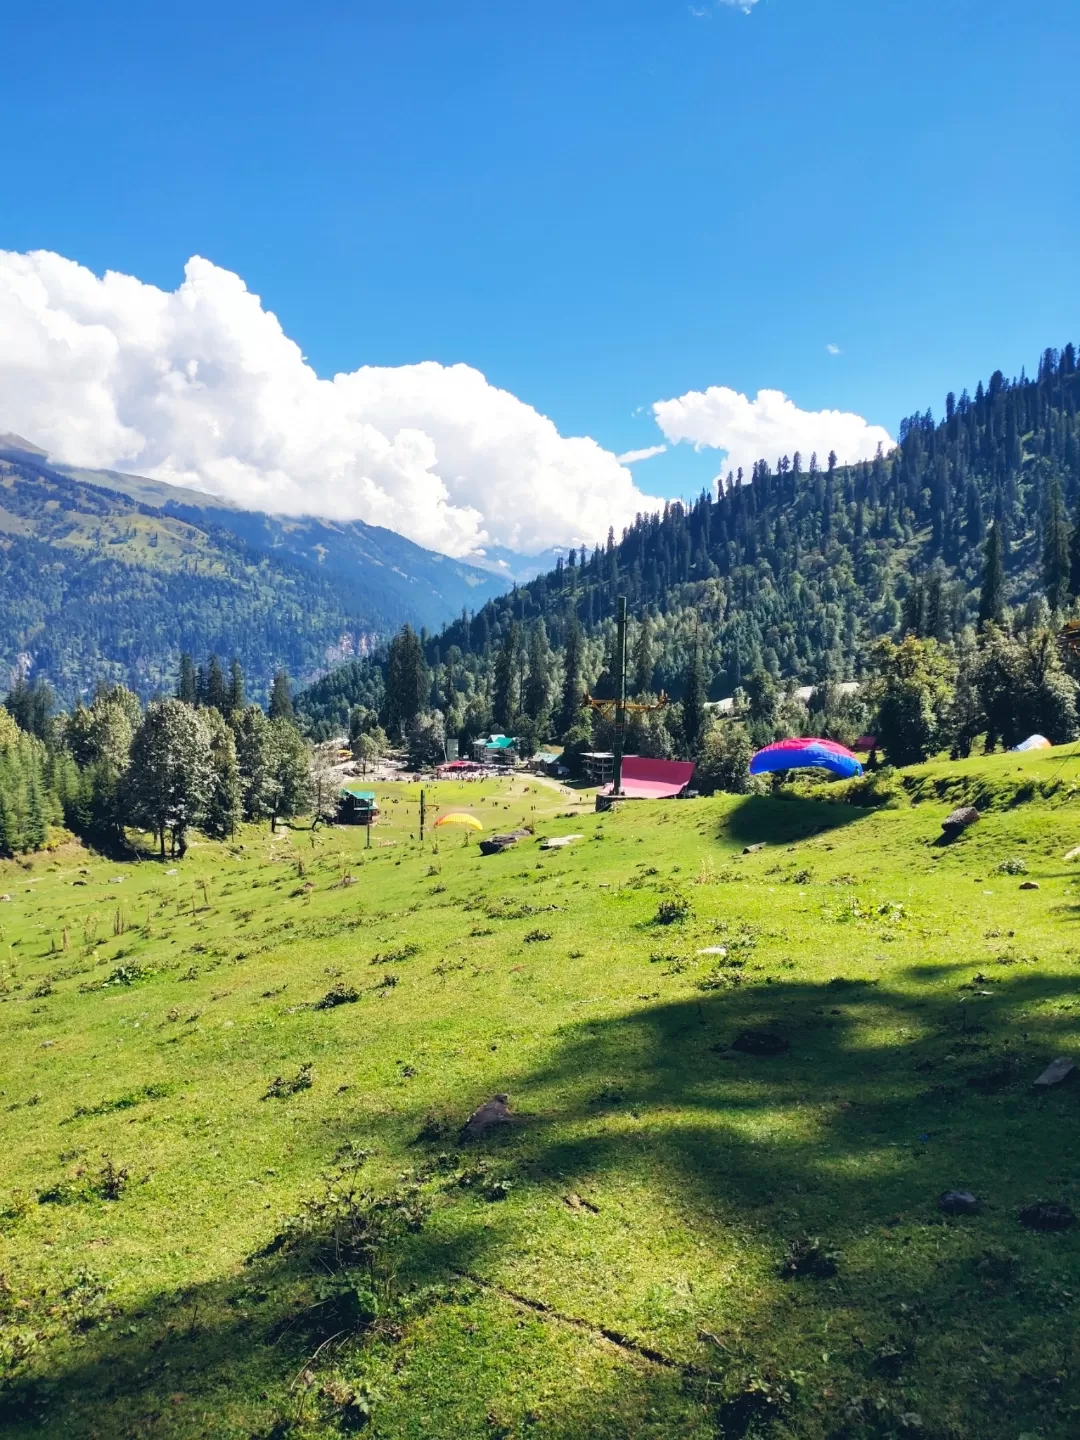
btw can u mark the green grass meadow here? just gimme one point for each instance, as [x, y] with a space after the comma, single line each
[226, 1210]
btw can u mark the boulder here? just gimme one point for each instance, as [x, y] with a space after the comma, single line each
[959, 1202]
[495, 1111]
[1057, 1071]
[959, 821]
[1030, 885]
[496, 844]
[1047, 1215]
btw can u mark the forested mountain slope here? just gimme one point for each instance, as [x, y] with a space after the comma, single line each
[107, 577]
[794, 571]
[801, 565]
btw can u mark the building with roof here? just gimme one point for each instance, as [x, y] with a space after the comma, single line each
[495, 749]
[647, 779]
[356, 806]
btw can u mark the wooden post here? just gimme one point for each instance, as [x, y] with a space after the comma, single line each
[421, 815]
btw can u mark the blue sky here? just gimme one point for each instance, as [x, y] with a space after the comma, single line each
[599, 205]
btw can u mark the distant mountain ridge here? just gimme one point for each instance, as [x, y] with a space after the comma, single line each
[105, 575]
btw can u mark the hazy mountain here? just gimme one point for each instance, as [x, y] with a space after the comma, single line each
[108, 575]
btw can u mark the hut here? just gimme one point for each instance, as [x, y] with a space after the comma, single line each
[356, 806]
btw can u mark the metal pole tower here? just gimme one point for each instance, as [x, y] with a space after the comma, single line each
[620, 699]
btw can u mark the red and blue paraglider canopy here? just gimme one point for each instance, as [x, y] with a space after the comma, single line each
[799, 754]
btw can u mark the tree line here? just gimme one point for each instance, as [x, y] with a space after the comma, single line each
[201, 758]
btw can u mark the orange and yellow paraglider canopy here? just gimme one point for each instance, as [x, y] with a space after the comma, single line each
[458, 817]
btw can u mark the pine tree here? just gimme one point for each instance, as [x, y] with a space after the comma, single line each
[234, 695]
[9, 829]
[223, 805]
[36, 829]
[537, 697]
[214, 695]
[1074, 555]
[992, 597]
[643, 656]
[406, 680]
[504, 699]
[1055, 555]
[251, 729]
[281, 706]
[185, 684]
[572, 685]
[694, 713]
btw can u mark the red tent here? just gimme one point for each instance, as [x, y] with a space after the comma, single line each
[644, 779]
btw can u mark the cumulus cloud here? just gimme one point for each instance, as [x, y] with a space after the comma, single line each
[201, 387]
[765, 428]
[630, 457]
[833, 349]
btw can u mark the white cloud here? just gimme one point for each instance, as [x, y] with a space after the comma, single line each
[765, 428]
[630, 457]
[833, 349]
[201, 387]
[744, 5]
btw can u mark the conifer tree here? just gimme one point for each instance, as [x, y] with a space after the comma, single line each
[643, 655]
[251, 729]
[406, 680]
[185, 683]
[572, 685]
[694, 714]
[503, 699]
[992, 597]
[536, 700]
[214, 696]
[1056, 560]
[281, 706]
[234, 696]
[223, 804]
[1074, 555]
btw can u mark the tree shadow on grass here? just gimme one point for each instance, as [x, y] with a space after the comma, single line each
[785, 819]
[849, 1133]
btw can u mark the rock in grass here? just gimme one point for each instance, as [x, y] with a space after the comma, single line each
[1047, 1215]
[1073, 854]
[959, 821]
[753, 849]
[959, 1202]
[807, 1258]
[759, 1042]
[337, 995]
[1057, 1071]
[1030, 885]
[495, 1111]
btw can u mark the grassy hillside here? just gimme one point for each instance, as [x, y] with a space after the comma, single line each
[195, 1240]
[109, 577]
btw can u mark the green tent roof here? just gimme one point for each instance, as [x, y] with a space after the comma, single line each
[358, 794]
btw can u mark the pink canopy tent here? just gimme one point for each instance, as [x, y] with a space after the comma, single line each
[644, 779]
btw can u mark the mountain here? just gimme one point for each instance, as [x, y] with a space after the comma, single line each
[796, 570]
[109, 576]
